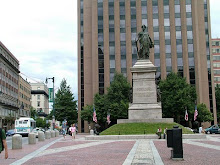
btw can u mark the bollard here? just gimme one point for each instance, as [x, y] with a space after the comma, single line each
[41, 136]
[47, 135]
[174, 140]
[17, 141]
[52, 134]
[91, 132]
[56, 133]
[32, 138]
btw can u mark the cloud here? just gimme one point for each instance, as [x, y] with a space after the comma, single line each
[215, 15]
[42, 35]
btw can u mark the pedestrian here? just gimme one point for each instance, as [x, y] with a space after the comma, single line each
[159, 131]
[3, 143]
[64, 129]
[200, 129]
[73, 131]
[165, 133]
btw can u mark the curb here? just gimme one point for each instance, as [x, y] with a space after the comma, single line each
[137, 137]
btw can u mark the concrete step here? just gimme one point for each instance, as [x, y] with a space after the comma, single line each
[136, 137]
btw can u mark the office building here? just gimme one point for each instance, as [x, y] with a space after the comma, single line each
[9, 77]
[24, 98]
[216, 59]
[107, 30]
[40, 98]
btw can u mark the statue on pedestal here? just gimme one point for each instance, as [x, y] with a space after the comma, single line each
[145, 43]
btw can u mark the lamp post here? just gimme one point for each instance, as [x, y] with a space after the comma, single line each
[53, 117]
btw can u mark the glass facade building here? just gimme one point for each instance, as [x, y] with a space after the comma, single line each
[107, 30]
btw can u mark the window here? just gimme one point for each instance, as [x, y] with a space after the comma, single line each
[189, 35]
[168, 48]
[155, 22]
[178, 21]
[166, 9]
[189, 21]
[167, 22]
[177, 8]
[167, 35]
[38, 97]
[188, 8]
[156, 35]
[178, 35]
[38, 103]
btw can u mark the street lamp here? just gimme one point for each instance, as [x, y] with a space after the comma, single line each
[53, 101]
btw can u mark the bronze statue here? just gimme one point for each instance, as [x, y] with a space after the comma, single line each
[145, 43]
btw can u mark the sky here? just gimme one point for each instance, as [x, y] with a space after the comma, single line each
[42, 35]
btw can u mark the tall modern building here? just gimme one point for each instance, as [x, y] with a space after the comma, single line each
[216, 59]
[107, 30]
[9, 77]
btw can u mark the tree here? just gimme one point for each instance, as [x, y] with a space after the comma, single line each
[34, 113]
[204, 115]
[117, 97]
[177, 96]
[217, 98]
[115, 102]
[65, 105]
[87, 113]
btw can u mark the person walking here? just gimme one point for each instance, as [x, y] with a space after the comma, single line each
[3, 143]
[73, 131]
[64, 129]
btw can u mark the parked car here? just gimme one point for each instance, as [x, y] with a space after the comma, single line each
[212, 129]
[35, 130]
[10, 132]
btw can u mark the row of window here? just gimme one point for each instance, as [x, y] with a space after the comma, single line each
[215, 43]
[215, 50]
[25, 89]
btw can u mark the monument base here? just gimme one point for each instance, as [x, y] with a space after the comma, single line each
[163, 120]
[144, 111]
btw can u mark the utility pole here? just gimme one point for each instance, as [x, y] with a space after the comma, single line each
[53, 79]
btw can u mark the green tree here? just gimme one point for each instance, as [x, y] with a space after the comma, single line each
[65, 105]
[40, 122]
[217, 98]
[204, 115]
[115, 102]
[87, 113]
[117, 98]
[34, 113]
[177, 95]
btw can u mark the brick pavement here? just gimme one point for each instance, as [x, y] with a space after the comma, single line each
[192, 153]
[58, 151]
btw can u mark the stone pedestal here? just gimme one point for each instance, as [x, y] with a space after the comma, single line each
[145, 106]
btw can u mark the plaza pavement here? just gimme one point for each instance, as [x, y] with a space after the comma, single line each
[60, 151]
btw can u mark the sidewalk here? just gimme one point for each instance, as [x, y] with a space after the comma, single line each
[57, 151]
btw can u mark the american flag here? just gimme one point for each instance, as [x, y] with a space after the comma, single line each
[108, 119]
[94, 115]
[186, 116]
[195, 113]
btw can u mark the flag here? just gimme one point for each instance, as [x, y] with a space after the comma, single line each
[108, 119]
[94, 115]
[195, 113]
[186, 116]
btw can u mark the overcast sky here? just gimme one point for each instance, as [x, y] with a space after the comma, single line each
[42, 35]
